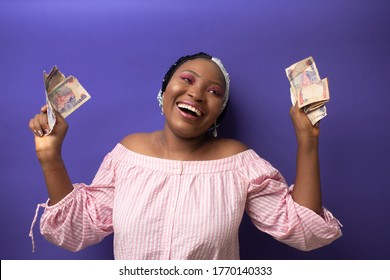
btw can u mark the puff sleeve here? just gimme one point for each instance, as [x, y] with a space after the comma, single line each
[84, 216]
[272, 210]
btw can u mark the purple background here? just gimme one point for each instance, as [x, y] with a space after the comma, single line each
[120, 50]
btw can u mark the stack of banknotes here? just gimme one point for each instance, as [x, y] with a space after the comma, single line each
[307, 88]
[63, 95]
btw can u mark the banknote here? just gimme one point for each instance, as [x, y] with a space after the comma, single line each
[316, 115]
[303, 73]
[304, 99]
[55, 77]
[307, 89]
[63, 95]
[314, 95]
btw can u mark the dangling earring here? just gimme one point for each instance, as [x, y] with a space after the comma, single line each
[213, 130]
[215, 133]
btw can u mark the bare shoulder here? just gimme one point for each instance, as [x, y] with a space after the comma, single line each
[228, 147]
[138, 142]
[132, 139]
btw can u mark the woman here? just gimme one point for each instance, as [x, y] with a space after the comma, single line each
[180, 193]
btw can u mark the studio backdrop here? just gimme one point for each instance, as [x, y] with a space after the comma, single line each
[120, 50]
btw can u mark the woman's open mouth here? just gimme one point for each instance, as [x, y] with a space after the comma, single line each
[189, 110]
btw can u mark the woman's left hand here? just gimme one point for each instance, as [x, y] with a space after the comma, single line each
[304, 130]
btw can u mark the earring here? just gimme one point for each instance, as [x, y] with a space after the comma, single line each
[213, 130]
[215, 133]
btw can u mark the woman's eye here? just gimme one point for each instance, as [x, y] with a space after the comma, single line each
[187, 79]
[216, 92]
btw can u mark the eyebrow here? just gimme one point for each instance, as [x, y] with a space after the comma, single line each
[199, 76]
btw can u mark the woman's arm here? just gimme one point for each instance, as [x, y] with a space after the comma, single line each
[307, 187]
[48, 150]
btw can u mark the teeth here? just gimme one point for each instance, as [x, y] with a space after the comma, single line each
[189, 107]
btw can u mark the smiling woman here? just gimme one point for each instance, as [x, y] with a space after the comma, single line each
[197, 89]
[180, 193]
[219, 86]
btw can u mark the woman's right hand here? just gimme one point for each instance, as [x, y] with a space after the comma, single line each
[48, 146]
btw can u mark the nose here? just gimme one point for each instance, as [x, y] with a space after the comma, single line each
[196, 93]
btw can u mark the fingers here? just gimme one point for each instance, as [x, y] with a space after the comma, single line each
[38, 124]
[295, 111]
[44, 109]
[295, 108]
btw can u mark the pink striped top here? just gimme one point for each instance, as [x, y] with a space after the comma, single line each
[170, 209]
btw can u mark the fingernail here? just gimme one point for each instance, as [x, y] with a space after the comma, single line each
[40, 133]
[35, 132]
[47, 131]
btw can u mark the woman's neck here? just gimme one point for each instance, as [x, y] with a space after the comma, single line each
[177, 147]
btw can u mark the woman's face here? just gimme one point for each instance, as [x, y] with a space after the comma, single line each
[193, 98]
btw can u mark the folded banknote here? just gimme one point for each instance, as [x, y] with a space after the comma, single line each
[308, 89]
[63, 95]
